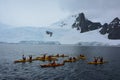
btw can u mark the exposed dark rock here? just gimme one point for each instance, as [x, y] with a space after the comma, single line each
[114, 29]
[94, 26]
[49, 33]
[115, 33]
[104, 29]
[114, 24]
[84, 24]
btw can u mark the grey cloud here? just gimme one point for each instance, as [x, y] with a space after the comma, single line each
[74, 5]
[99, 10]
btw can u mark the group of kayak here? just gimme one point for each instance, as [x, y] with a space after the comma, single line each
[98, 60]
[42, 58]
[24, 59]
[73, 59]
[54, 58]
[70, 59]
[53, 64]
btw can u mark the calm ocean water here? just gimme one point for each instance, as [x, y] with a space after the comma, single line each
[79, 70]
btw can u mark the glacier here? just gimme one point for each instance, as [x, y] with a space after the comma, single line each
[62, 32]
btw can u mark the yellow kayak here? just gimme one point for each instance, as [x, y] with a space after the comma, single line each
[23, 61]
[51, 65]
[82, 57]
[97, 62]
[46, 59]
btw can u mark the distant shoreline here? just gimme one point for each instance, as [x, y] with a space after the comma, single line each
[61, 45]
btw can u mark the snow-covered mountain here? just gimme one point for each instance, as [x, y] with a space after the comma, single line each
[112, 29]
[63, 31]
[16, 34]
[84, 25]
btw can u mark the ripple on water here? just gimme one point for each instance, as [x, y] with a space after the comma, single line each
[79, 70]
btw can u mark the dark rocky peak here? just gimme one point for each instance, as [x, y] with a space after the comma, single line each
[116, 19]
[80, 23]
[81, 17]
[115, 22]
[84, 25]
[105, 25]
[104, 29]
[113, 29]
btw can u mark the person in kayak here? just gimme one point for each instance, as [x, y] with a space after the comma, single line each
[44, 56]
[101, 59]
[81, 55]
[57, 55]
[53, 62]
[70, 58]
[95, 59]
[74, 58]
[49, 57]
[30, 57]
[62, 55]
[23, 57]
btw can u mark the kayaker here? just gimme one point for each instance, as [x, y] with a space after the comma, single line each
[30, 57]
[95, 59]
[101, 59]
[24, 58]
[62, 55]
[54, 62]
[70, 58]
[81, 55]
[49, 57]
[74, 58]
[57, 55]
[44, 56]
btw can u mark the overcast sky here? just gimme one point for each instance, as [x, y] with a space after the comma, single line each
[44, 12]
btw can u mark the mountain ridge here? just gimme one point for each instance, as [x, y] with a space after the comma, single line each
[63, 31]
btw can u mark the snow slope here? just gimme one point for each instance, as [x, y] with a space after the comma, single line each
[72, 36]
[62, 32]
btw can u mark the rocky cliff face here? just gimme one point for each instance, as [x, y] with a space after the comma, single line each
[104, 29]
[112, 29]
[84, 25]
